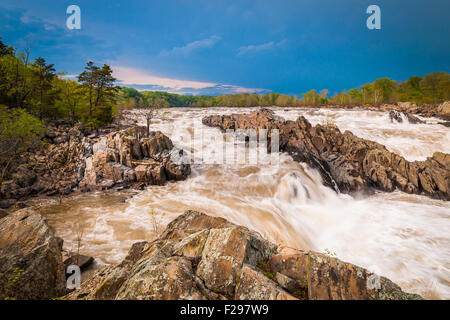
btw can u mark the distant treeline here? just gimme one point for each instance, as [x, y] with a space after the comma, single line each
[433, 88]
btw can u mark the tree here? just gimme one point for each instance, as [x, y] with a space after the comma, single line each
[88, 79]
[383, 89]
[70, 98]
[43, 76]
[311, 97]
[100, 90]
[355, 95]
[436, 86]
[5, 49]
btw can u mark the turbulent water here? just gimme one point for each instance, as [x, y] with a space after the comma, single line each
[403, 237]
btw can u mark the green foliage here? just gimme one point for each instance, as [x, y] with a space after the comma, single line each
[100, 91]
[19, 132]
[330, 253]
[12, 281]
[156, 220]
[94, 99]
[5, 49]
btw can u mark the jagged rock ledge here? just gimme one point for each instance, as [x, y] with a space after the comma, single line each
[204, 257]
[344, 160]
[73, 161]
[31, 265]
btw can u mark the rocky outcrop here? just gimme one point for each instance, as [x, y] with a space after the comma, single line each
[398, 116]
[73, 161]
[31, 264]
[55, 169]
[346, 162]
[128, 157]
[204, 257]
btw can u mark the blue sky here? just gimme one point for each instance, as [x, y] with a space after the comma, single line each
[218, 46]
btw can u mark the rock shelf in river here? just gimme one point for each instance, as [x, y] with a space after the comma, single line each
[350, 162]
[203, 257]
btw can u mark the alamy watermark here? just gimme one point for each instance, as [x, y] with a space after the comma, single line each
[73, 281]
[74, 20]
[374, 20]
[232, 147]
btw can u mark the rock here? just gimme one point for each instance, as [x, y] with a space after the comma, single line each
[122, 158]
[204, 257]
[395, 116]
[346, 163]
[332, 279]
[3, 213]
[398, 116]
[5, 204]
[30, 258]
[96, 162]
[171, 279]
[80, 260]
[60, 139]
[155, 144]
[253, 285]
[223, 255]
[413, 119]
[444, 109]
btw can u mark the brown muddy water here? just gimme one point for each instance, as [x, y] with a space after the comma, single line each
[403, 237]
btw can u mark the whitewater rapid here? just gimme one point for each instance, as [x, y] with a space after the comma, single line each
[403, 237]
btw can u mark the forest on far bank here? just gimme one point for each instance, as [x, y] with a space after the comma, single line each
[433, 88]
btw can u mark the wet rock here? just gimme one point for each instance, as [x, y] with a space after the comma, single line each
[346, 163]
[30, 258]
[3, 213]
[395, 116]
[204, 257]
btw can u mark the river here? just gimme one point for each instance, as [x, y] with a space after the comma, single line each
[403, 237]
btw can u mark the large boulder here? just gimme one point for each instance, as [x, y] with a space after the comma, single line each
[31, 264]
[204, 257]
[128, 157]
[346, 162]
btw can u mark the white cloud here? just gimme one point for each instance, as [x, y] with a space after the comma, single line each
[27, 18]
[130, 76]
[258, 48]
[144, 81]
[192, 46]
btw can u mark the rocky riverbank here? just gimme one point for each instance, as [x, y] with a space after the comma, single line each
[346, 162]
[196, 257]
[73, 161]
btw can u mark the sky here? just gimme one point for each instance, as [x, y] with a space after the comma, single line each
[219, 47]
